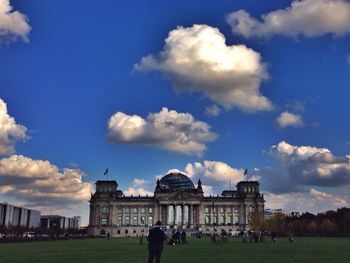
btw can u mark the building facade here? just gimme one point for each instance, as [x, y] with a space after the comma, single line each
[56, 222]
[177, 203]
[18, 216]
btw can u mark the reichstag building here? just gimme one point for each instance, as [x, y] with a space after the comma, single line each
[177, 203]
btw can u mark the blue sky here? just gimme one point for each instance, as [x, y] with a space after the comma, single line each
[80, 78]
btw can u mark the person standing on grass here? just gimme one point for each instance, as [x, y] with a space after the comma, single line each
[155, 238]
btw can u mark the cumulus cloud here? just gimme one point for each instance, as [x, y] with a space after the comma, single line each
[197, 59]
[40, 181]
[308, 165]
[311, 201]
[13, 24]
[215, 175]
[10, 131]
[212, 110]
[137, 191]
[310, 18]
[287, 118]
[170, 130]
[214, 171]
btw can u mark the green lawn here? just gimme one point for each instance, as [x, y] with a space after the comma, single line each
[313, 250]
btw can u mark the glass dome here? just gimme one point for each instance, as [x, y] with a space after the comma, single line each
[177, 181]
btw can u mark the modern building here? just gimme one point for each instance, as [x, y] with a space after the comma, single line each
[272, 212]
[177, 203]
[18, 216]
[56, 222]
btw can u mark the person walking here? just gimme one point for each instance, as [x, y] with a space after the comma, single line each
[155, 238]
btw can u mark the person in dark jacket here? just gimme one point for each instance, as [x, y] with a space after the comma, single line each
[155, 238]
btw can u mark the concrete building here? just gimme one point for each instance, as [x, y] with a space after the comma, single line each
[18, 216]
[59, 222]
[177, 203]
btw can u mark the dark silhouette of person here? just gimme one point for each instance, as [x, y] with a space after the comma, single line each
[108, 235]
[155, 238]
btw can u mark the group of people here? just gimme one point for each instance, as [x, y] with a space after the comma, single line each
[177, 238]
[216, 238]
[250, 236]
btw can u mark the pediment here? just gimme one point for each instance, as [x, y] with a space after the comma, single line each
[180, 196]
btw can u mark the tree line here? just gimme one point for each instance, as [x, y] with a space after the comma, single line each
[330, 223]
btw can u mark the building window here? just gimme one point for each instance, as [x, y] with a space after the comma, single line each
[229, 220]
[251, 209]
[207, 210]
[134, 220]
[127, 220]
[142, 220]
[103, 222]
[221, 220]
[214, 220]
[150, 221]
[228, 209]
[150, 210]
[236, 209]
[142, 210]
[104, 210]
[214, 210]
[207, 220]
[221, 209]
[119, 209]
[127, 210]
[236, 218]
[134, 231]
[135, 210]
[119, 220]
[118, 232]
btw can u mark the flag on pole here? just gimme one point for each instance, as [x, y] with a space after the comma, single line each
[245, 171]
[106, 172]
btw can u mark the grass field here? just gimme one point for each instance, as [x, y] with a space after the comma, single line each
[313, 250]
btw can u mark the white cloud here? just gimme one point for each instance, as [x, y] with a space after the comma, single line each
[13, 24]
[170, 130]
[207, 190]
[308, 165]
[137, 191]
[215, 176]
[41, 185]
[310, 18]
[312, 201]
[137, 182]
[212, 110]
[197, 59]
[10, 131]
[286, 119]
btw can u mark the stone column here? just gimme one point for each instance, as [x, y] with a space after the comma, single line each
[160, 213]
[175, 214]
[191, 214]
[225, 215]
[217, 215]
[183, 214]
[97, 211]
[111, 215]
[242, 215]
[139, 216]
[168, 218]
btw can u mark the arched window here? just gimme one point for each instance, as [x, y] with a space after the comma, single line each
[214, 220]
[134, 220]
[207, 220]
[221, 220]
[229, 220]
[236, 219]
[119, 220]
[150, 221]
[127, 220]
